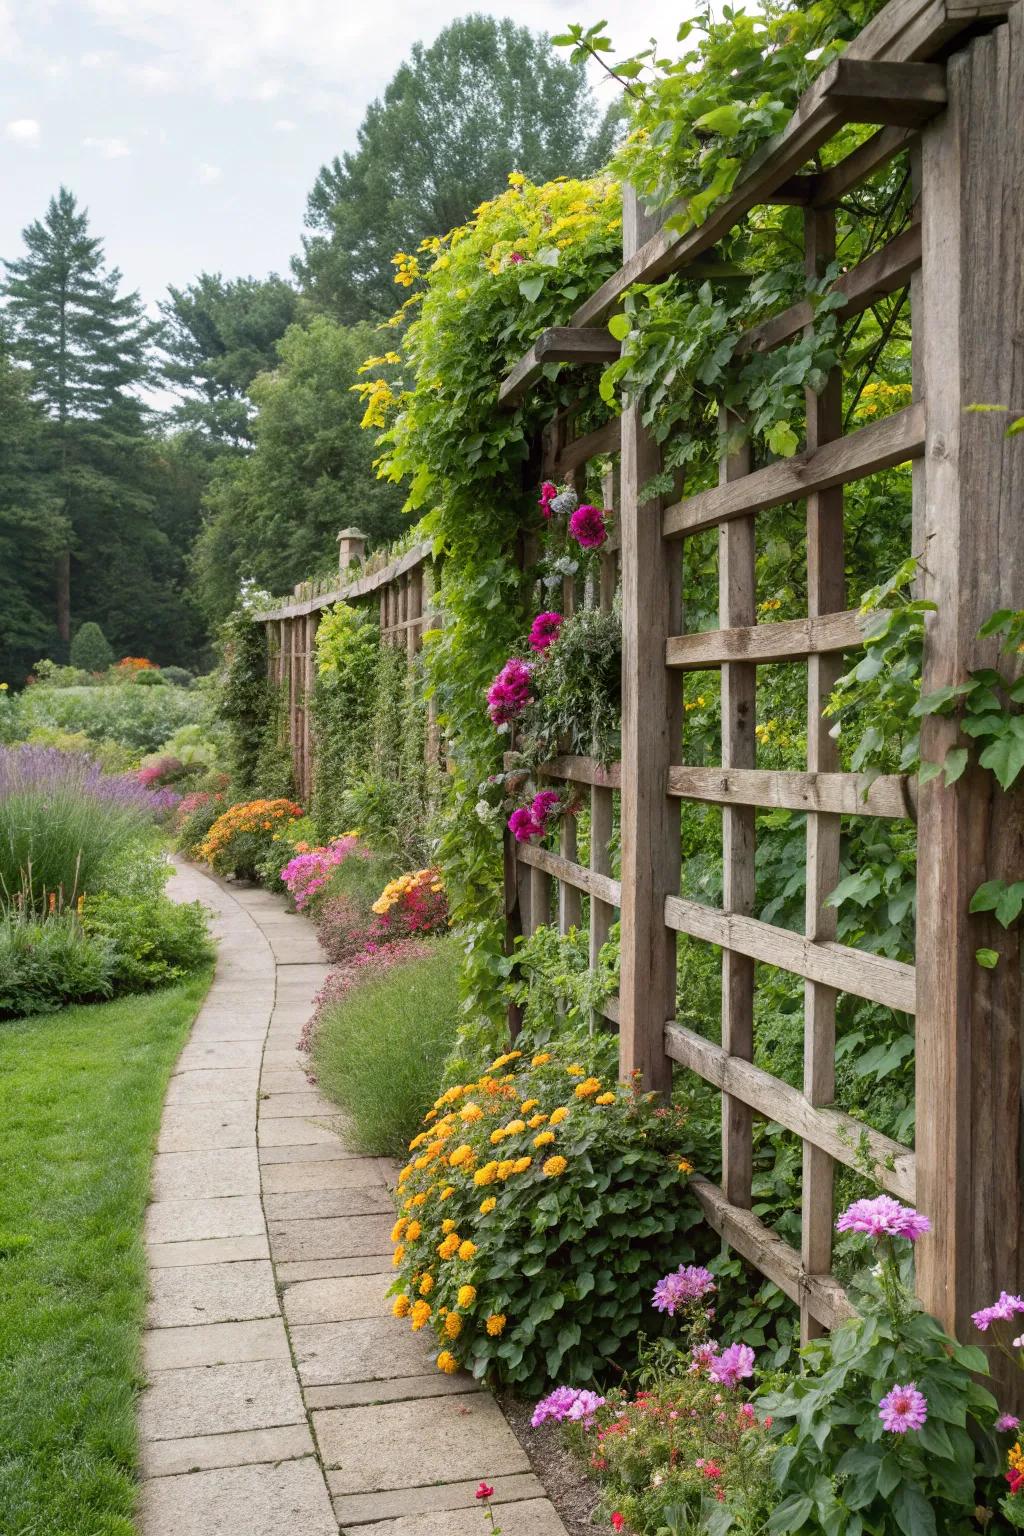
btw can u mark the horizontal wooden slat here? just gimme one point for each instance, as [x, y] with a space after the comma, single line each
[891, 94]
[601, 886]
[580, 450]
[419, 554]
[558, 344]
[880, 446]
[583, 770]
[845, 794]
[838, 1134]
[884, 272]
[817, 636]
[880, 980]
[771, 1254]
[610, 1009]
[830, 186]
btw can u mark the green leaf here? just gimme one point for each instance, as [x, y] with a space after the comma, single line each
[1004, 758]
[530, 288]
[996, 622]
[1008, 907]
[782, 439]
[724, 120]
[791, 1514]
[1015, 427]
[986, 897]
[955, 763]
[620, 326]
[914, 1514]
[548, 256]
[988, 959]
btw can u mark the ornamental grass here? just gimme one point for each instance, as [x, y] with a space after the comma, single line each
[539, 1206]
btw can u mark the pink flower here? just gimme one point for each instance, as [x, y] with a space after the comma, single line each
[1006, 1422]
[903, 1408]
[484, 1491]
[516, 257]
[884, 1217]
[548, 492]
[523, 825]
[587, 526]
[509, 694]
[688, 1283]
[732, 1365]
[618, 1523]
[544, 805]
[702, 1356]
[544, 630]
[1001, 1311]
[573, 1403]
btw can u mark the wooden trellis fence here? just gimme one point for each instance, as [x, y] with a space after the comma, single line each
[944, 80]
[403, 587]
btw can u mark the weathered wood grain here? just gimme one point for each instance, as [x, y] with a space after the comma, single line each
[793, 639]
[554, 866]
[558, 344]
[844, 794]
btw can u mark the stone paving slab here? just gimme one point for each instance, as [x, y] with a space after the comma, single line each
[163, 1458]
[208, 1250]
[314, 1204]
[352, 1394]
[291, 1057]
[206, 1086]
[283, 1106]
[205, 1175]
[358, 1508]
[284, 1080]
[211, 1293]
[289, 1272]
[345, 1237]
[368, 1349]
[339, 1299]
[328, 1150]
[264, 1500]
[183, 1220]
[165, 1349]
[298, 1132]
[230, 1054]
[288, 1175]
[445, 1440]
[215, 1399]
[533, 1518]
[200, 1127]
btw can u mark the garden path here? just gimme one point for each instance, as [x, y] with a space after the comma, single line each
[283, 1398]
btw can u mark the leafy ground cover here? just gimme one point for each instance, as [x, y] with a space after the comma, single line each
[80, 1098]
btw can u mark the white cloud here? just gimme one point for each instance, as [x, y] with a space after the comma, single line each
[23, 130]
[98, 58]
[284, 125]
[207, 174]
[107, 149]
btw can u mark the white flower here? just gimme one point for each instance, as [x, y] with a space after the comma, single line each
[483, 810]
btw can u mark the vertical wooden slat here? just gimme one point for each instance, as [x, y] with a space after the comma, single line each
[971, 1020]
[570, 904]
[540, 899]
[651, 731]
[602, 805]
[737, 607]
[826, 593]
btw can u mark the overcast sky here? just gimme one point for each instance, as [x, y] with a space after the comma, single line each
[193, 129]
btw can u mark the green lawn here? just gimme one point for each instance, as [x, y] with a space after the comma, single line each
[80, 1097]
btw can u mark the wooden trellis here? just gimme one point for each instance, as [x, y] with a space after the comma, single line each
[403, 588]
[943, 79]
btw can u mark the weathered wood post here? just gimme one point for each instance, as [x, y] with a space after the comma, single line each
[969, 1137]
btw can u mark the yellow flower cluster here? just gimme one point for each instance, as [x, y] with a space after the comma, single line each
[251, 816]
[403, 885]
[880, 399]
[408, 268]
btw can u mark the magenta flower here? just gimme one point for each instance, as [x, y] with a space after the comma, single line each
[1006, 1422]
[573, 1403]
[509, 694]
[690, 1282]
[544, 805]
[548, 492]
[883, 1217]
[732, 1365]
[1001, 1311]
[702, 1356]
[544, 630]
[903, 1408]
[516, 257]
[523, 825]
[587, 526]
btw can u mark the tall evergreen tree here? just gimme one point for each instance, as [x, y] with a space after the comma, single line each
[88, 348]
[488, 97]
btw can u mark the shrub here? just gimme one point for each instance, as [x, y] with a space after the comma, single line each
[180, 677]
[137, 718]
[193, 818]
[151, 942]
[411, 904]
[46, 962]
[308, 869]
[62, 822]
[385, 1026]
[150, 677]
[543, 1207]
[90, 649]
[242, 836]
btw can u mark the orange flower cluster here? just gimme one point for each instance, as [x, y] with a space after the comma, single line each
[250, 816]
[136, 664]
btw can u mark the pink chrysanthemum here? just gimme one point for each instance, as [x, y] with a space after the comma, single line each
[587, 526]
[690, 1282]
[884, 1217]
[903, 1408]
[1002, 1311]
[509, 694]
[523, 825]
[732, 1365]
[544, 805]
[548, 492]
[1006, 1422]
[572, 1403]
[544, 630]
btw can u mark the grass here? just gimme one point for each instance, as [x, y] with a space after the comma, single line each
[380, 1051]
[80, 1098]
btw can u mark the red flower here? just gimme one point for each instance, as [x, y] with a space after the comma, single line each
[618, 1523]
[485, 1491]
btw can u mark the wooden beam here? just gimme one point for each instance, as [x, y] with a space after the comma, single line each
[886, 271]
[570, 873]
[580, 450]
[793, 639]
[880, 980]
[583, 770]
[831, 186]
[558, 344]
[835, 1133]
[845, 794]
[894, 95]
[894, 440]
[771, 1254]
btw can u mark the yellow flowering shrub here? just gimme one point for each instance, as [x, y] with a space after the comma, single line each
[547, 1276]
[240, 838]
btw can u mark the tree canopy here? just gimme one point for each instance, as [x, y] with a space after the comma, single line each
[487, 98]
